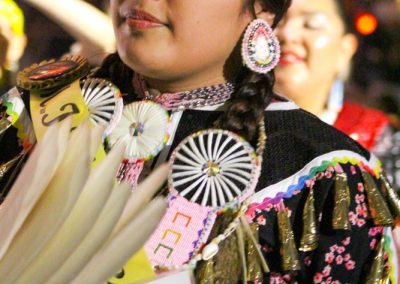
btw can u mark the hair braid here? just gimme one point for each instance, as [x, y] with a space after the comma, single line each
[254, 92]
[244, 111]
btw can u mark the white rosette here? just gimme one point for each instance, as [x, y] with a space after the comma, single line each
[144, 128]
[104, 102]
[214, 168]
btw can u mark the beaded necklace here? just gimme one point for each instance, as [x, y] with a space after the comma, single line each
[197, 98]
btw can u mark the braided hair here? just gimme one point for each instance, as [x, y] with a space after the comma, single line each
[253, 92]
[114, 70]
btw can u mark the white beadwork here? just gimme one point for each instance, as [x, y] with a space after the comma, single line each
[213, 168]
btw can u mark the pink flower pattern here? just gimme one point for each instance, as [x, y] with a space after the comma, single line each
[337, 256]
[358, 217]
[340, 254]
[353, 170]
[261, 220]
[375, 234]
[277, 278]
[307, 261]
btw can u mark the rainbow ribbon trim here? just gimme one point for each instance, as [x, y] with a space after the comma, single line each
[303, 180]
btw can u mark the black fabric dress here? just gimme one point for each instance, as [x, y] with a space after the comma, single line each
[302, 161]
[301, 153]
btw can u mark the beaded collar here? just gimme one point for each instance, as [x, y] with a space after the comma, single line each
[197, 98]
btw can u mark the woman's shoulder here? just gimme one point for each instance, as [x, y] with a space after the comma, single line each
[327, 192]
[287, 119]
[297, 139]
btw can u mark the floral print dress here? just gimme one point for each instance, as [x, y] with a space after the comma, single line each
[303, 153]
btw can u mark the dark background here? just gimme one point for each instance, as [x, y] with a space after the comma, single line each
[375, 78]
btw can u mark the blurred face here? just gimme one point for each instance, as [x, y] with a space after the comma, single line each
[184, 43]
[315, 49]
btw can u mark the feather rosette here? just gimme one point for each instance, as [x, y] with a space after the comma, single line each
[144, 128]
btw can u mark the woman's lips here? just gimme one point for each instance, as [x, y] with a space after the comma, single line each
[288, 58]
[142, 20]
[141, 24]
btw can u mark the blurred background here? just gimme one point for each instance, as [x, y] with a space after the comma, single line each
[375, 79]
[46, 39]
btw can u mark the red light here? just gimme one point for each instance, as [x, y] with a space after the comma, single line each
[366, 23]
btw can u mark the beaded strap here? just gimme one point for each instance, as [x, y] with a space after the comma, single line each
[201, 97]
[208, 96]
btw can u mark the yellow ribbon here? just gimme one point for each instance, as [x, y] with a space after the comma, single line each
[56, 107]
[137, 269]
[67, 102]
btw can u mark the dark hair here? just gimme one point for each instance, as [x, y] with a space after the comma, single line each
[253, 92]
[118, 73]
[245, 109]
[344, 8]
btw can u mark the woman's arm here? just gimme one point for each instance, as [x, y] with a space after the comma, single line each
[88, 25]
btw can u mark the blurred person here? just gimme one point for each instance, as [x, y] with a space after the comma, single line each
[91, 27]
[318, 44]
[12, 42]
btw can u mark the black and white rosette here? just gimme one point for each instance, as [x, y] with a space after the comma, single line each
[104, 102]
[144, 128]
[214, 168]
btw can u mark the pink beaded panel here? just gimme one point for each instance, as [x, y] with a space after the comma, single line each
[184, 228]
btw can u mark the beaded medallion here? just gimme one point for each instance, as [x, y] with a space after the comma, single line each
[260, 47]
[53, 73]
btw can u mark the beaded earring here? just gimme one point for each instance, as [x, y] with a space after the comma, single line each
[260, 47]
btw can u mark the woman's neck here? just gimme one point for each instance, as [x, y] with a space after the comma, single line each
[313, 99]
[312, 104]
[201, 79]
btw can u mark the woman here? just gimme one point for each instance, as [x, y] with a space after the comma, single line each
[318, 43]
[177, 47]
[322, 31]
[302, 185]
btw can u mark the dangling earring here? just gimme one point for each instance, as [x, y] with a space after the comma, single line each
[260, 47]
